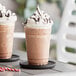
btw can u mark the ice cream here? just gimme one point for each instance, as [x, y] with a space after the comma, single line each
[6, 16]
[39, 19]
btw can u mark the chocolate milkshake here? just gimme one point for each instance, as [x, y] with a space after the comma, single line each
[7, 25]
[38, 30]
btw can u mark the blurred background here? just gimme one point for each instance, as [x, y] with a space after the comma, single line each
[25, 8]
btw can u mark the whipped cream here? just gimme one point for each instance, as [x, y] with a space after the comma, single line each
[6, 16]
[39, 19]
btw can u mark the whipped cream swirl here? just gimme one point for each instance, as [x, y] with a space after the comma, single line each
[6, 16]
[39, 19]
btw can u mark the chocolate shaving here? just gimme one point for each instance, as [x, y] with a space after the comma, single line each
[34, 14]
[38, 19]
[1, 14]
[7, 15]
[25, 22]
[46, 20]
[34, 19]
[38, 11]
[49, 20]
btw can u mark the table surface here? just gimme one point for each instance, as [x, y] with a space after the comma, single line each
[58, 69]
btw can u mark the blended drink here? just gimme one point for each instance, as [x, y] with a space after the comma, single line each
[7, 25]
[38, 31]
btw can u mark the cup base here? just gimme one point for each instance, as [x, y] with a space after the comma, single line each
[38, 61]
[5, 55]
[12, 59]
[26, 65]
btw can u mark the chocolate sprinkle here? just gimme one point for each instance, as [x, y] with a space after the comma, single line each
[1, 14]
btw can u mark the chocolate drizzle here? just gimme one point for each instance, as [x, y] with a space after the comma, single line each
[49, 20]
[35, 19]
[39, 17]
[4, 13]
[34, 14]
[38, 10]
[1, 14]
[25, 22]
[7, 15]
